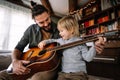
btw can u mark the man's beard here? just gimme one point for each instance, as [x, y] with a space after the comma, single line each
[47, 30]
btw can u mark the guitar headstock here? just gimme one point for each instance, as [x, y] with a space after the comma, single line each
[110, 35]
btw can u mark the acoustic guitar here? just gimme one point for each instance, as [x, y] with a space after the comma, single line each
[39, 61]
[47, 59]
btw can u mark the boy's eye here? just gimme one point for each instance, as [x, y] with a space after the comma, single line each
[61, 30]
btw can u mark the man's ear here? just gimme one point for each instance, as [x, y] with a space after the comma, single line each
[49, 13]
[34, 20]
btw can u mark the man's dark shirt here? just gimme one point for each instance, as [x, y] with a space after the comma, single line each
[33, 36]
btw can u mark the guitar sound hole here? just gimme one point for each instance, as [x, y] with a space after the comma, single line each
[42, 52]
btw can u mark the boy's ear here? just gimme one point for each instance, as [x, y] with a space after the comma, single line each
[72, 31]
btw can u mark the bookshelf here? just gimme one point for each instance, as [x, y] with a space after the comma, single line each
[99, 21]
[105, 19]
[98, 16]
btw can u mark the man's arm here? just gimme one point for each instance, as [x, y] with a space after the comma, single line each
[16, 54]
[17, 64]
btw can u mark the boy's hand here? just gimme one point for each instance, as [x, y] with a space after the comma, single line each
[41, 44]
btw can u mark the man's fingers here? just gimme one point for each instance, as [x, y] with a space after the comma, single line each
[25, 62]
[21, 69]
[99, 49]
[102, 40]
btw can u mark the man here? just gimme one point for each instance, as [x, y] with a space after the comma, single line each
[43, 29]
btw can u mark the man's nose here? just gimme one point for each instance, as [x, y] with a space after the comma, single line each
[45, 23]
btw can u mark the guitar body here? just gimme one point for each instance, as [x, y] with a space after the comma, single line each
[39, 62]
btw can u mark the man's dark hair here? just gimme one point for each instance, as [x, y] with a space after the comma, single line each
[37, 9]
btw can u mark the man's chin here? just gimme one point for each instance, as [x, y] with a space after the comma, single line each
[47, 29]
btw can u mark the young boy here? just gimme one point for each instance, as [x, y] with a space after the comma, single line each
[73, 59]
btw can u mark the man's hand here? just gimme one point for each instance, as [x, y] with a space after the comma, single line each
[99, 44]
[18, 67]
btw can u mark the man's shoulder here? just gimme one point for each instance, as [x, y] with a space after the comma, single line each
[33, 26]
[54, 24]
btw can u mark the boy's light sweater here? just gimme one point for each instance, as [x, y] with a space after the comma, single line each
[74, 58]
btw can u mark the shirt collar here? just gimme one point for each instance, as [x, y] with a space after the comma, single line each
[37, 28]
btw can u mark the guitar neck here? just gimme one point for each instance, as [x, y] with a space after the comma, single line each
[111, 35]
[73, 44]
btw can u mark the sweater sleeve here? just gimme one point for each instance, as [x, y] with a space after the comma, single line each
[52, 40]
[88, 54]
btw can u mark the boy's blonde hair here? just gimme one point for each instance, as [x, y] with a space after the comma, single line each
[70, 24]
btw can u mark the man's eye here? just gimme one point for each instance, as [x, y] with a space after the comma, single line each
[40, 22]
[47, 19]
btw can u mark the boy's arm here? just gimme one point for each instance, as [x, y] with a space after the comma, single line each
[88, 54]
[45, 42]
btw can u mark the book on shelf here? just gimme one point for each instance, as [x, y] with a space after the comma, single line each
[93, 31]
[81, 27]
[97, 30]
[117, 1]
[86, 24]
[112, 15]
[119, 22]
[105, 4]
[110, 27]
[113, 2]
[103, 19]
[91, 22]
[89, 32]
[115, 25]
[99, 20]
[102, 28]
[119, 13]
